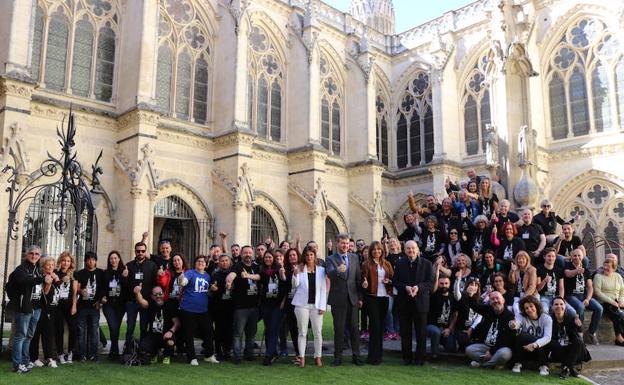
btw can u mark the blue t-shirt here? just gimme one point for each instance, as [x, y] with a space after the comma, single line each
[195, 295]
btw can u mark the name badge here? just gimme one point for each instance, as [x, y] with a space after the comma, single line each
[525, 236]
[138, 276]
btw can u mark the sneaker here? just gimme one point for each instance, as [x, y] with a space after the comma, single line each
[543, 370]
[38, 364]
[474, 364]
[284, 353]
[61, 359]
[517, 368]
[565, 372]
[194, 362]
[30, 365]
[52, 364]
[21, 369]
[154, 360]
[69, 358]
[166, 360]
[212, 359]
[591, 338]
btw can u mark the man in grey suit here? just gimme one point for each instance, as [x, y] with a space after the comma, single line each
[343, 270]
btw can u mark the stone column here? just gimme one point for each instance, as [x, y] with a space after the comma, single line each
[241, 120]
[16, 19]
[436, 101]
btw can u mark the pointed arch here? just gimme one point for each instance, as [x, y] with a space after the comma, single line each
[191, 196]
[269, 204]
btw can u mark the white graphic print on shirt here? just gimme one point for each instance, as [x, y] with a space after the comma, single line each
[64, 290]
[114, 289]
[477, 244]
[551, 287]
[91, 287]
[55, 295]
[508, 254]
[445, 314]
[562, 336]
[272, 288]
[36, 292]
[534, 329]
[492, 335]
[157, 324]
[201, 285]
[430, 242]
[471, 317]
[175, 289]
[253, 288]
[579, 287]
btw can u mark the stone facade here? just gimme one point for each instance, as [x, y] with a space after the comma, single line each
[311, 146]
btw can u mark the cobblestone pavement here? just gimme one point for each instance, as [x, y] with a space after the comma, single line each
[606, 377]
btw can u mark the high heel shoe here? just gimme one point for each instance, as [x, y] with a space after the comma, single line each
[301, 362]
[318, 361]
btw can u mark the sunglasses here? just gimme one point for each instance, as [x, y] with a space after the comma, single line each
[139, 251]
[159, 294]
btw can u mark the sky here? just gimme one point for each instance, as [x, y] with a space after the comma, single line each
[411, 13]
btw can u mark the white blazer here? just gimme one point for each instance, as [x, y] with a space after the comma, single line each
[300, 281]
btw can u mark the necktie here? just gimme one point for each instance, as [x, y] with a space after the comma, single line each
[345, 259]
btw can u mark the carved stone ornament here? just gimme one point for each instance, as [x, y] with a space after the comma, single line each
[14, 146]
[144, 166]
[237, 10]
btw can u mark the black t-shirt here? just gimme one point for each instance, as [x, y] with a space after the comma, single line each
[431, 242]
[394, 258]
[162, 262]
[245, 291]
[530, 234]
[112, 282]
[465, 316]
[222, 296]
[550, 289]
[576, 285]
[93, 281]
[312, 287]
[566, 247]
[159, 319]
[548, 223]
[272, 288]
[507, 250]
[441, 307]
[510, 217]
[65, 288]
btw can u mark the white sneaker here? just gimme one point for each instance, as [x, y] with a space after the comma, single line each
[39, 364]
[194, 362]
[52, 364]
[68, 360]
[474, 364]
[21, 369]
[517, 368]
[61, 359]
[543, 370]
[30, 365]
[212, 359]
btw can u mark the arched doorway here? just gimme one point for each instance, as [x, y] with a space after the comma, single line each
[40, 227]
[175, 222]
[331, 231]
[262, 226]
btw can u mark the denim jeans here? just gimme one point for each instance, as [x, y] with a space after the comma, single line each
[25, 325]
[392, 317]
[87, 325]
[132, 310]
[272, 316]
[114, 314]
[435, 335]
[577, 303]
[245, 321]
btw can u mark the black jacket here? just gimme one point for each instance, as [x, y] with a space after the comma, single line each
[24, 277]
[145, 273]
[409, 273]
[505, 335]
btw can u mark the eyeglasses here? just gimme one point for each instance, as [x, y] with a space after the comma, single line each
[159, 294]
[139, 251]
[545, 205]
[453, 233]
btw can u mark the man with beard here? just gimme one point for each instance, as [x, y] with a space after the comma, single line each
[494, 336]
[442, 318]
[161, 326]
[163, 259]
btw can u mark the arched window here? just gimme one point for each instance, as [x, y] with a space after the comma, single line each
[265, 86]
[183, 68]
[175, 222]
[584, 77]
[331, 104]
[89, 70]
[476, 102]
[415, 123]
[331, 232]
[382, 128]
[41, 223]
[262, 226]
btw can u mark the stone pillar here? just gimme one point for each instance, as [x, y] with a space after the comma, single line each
[314, 123]
[371, 118]
[241, 120]
[440, 173]
[437, 106]
[16, 19]
[366, 190]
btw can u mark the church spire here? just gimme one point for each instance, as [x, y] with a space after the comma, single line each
[377, 14]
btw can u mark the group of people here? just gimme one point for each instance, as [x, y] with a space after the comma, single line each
[468, 274]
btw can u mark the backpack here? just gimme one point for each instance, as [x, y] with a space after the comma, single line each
[133, 356]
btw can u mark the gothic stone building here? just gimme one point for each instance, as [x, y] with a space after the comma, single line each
[270, 117]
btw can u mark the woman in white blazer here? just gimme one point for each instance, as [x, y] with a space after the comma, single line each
[310, 300]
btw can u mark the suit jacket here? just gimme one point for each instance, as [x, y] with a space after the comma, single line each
[345, 288]
[418, 273]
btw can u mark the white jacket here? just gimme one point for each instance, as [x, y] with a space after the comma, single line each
[300, 281]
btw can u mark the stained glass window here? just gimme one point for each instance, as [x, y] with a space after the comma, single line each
[183, 86]
[37, 45]
[200, 93]
[81, 62]
[163, 78]
[476, 108]
[56, 54]
[105, 66]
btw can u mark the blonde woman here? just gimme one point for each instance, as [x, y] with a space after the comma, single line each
[65, 268]
[523, 276]
[49, 303]
[609, 289]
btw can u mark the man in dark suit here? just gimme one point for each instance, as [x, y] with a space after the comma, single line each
[413, 279]
[343, 269]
